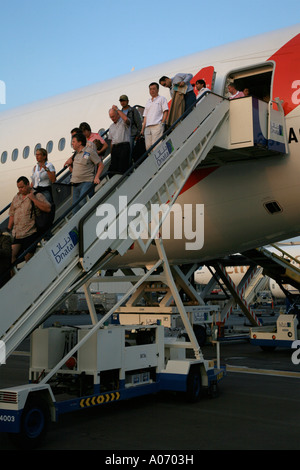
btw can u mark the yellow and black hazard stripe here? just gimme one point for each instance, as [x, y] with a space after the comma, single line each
[99, 399]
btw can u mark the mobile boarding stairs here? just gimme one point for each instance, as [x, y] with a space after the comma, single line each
[262, 265]
[79, 248]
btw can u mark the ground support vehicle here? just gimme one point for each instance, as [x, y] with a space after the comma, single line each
[114, 363]
[282, 335]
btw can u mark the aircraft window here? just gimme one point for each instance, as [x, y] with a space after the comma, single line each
[4, 157]
[26, 152]
[62, 144]
[49, 146]
[38, 146]
[258, 80]
[15, 155]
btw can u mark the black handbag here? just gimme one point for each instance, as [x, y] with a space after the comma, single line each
[43, 220]
[139, 149]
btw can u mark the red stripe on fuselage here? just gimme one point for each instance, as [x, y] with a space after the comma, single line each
[197, 176]
[286, 82]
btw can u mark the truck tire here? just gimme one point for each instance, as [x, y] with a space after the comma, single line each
[34, 424]
[194, 385]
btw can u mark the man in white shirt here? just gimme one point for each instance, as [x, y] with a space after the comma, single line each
[155, 116]
[201, 88]
[119, 134]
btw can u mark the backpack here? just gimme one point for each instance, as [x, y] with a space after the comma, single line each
[139, 149]
[43, 220]
[135, 119]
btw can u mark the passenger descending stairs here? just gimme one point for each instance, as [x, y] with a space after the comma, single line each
[280, 266]
[80, 248]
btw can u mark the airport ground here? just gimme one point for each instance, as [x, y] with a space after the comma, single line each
[258, 408]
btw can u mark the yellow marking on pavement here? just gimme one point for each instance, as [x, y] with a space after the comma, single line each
[248, 370]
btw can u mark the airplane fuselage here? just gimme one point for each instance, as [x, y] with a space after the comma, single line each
[235, 195]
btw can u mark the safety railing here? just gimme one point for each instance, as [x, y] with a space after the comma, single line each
[66, 214]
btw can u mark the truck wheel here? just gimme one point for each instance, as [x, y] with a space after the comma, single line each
[34, 424]
[194, 385]
[213, 390]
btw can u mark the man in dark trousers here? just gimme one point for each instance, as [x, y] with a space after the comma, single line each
[119, 134]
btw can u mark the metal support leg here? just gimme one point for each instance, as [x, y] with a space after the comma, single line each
[90, 303]
[170, 282]
[248, 312]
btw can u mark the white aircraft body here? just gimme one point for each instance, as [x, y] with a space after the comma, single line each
[235, 195]
[203, 275]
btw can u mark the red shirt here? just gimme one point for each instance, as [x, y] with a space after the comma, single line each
[94, 136]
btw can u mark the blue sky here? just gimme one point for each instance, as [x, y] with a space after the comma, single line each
[49, 47]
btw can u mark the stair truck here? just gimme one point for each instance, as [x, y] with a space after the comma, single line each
[112, 363]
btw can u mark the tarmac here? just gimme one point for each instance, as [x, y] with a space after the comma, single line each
[258, 408]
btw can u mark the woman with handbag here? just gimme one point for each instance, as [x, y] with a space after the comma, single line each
[43, 175]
